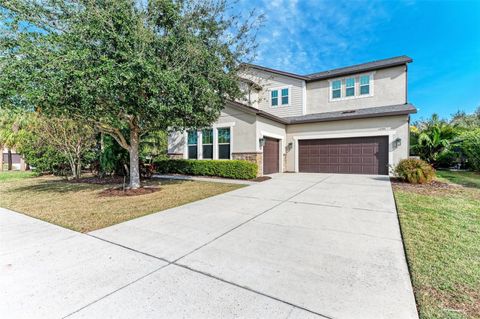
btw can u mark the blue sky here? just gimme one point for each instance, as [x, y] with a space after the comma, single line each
[442, 37]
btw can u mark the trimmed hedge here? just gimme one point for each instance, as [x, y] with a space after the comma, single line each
[236, 169]
[415, 171]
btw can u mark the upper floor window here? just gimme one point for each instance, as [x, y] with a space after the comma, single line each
[274, 98]
[336, 89]
[364, 84]
[280, 97]
[350, 87]
[285, 96]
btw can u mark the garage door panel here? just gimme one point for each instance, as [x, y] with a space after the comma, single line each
[364, 155]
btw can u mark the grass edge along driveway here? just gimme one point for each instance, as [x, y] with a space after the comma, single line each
[79, 206]
[441, 231]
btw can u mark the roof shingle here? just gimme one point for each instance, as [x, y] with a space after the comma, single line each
[363, 67]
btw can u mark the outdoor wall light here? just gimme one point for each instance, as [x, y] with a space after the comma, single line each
[397, 142]
[261, 142]
[289, 146]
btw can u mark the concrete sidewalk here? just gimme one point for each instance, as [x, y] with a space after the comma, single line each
[296, 246]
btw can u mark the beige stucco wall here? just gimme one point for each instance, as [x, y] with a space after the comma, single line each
[394, 126]
[268, 81]
[243, 129]
[389, 88]
[243, 132]
[248, 128]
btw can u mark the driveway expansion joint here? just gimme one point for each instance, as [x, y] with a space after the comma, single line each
[189, 269]
[337, 206]
[114, 291]
[250, 289]
[252, 218]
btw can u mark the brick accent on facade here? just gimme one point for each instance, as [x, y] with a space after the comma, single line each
[253, 157]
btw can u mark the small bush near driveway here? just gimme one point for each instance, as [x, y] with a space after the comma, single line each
[222, 168]
[415, 171]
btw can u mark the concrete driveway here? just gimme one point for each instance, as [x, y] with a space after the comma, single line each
[296, 246]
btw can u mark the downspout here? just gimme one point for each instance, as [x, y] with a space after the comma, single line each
[406, 83]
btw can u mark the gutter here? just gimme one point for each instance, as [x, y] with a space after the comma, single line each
[289, 121]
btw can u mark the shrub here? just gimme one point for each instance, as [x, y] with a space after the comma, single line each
[448, 158]
[44, 159]
[415, 171]
[223, 168]
[471, 147]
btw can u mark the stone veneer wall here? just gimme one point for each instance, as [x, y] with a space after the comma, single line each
[175, 155]
[253, 157]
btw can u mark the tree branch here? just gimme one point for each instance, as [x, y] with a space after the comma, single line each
[115, 133]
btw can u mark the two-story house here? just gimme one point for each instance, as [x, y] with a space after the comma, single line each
[348, 120]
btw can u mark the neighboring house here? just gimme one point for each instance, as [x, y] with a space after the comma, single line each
[348, 120]
[17, 161]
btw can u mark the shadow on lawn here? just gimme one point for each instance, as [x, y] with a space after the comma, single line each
[63, 186]
[55, 187]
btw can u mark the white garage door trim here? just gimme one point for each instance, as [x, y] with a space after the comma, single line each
[388, 133]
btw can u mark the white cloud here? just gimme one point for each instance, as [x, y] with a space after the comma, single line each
[309, 36]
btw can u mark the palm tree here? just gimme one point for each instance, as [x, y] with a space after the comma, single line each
[435, 135]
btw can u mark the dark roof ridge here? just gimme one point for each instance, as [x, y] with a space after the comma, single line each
[362, 67]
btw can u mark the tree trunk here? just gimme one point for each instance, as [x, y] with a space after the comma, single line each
[1, 158]
[9, 160]
[73, 168]
[79, 168]
[134, 161]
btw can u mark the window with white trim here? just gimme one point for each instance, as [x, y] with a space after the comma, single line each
[192, 144]
[207, 143]
[223, 142]
[280, 97]
[365, 85]
[274, 98]
[350, 87]
[336, 86]
[285, 96]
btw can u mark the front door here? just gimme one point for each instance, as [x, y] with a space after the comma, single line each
[271, 156]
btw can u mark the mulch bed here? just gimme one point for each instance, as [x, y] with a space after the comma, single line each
[257, 179]
[119, 191]
[99, 180]
[260, 179]
[427, 188]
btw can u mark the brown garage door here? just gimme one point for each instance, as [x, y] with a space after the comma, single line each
[271, 156]
[358, 155]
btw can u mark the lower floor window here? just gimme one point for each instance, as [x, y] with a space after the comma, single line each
[224, 143]
[192, 145]
[207, 143]
[203, 142]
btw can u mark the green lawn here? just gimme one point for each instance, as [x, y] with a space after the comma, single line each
[441, 231]
[14, 175]
[80, 206]
[467, 179]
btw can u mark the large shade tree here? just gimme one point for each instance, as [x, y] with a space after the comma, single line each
[127, 65]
